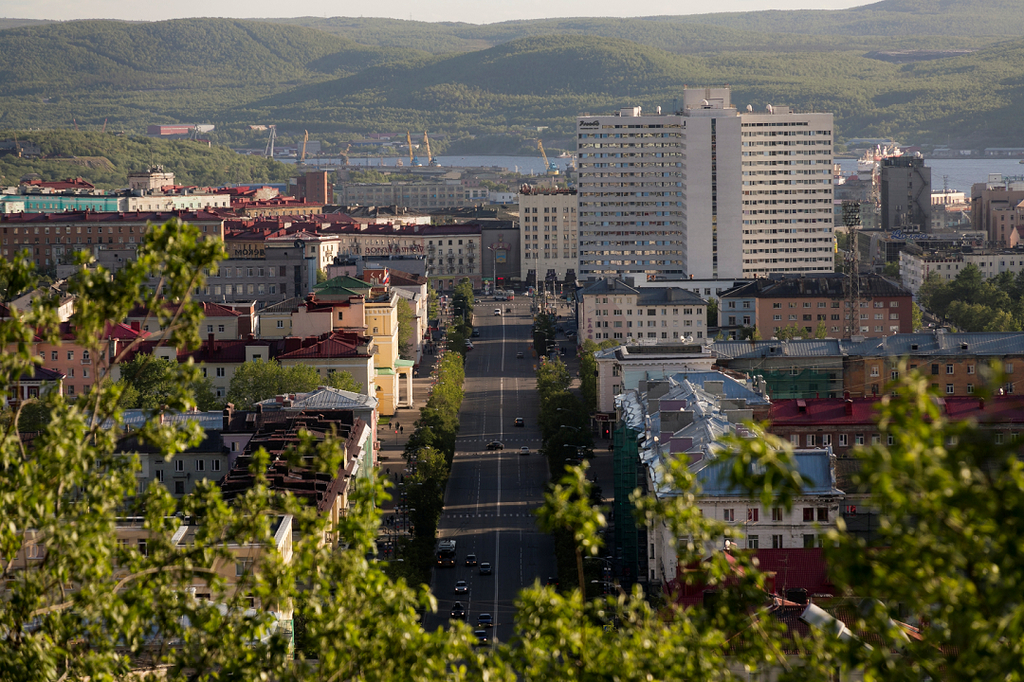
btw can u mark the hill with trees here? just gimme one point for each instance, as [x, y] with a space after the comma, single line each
[343, 78]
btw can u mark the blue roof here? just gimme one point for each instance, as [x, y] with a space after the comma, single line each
[816, 467]
[731, 388]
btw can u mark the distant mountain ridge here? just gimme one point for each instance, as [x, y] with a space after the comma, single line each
[234, 73]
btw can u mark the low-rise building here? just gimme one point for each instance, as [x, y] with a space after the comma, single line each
[614, 309]
[916, 267]
[821, 305]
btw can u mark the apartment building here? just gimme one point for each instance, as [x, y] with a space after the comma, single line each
[997, 207]
[809, 304]
[675, 194]
[659, 193]
[906, 192]
[430, 194]
[917, 265]
[787, 192]
[548, 234]
[612, 309]
[52, 238]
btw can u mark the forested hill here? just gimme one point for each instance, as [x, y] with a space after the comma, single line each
[917, 24]
[234, 73]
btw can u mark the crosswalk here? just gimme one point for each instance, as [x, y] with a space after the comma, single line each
[516, 515]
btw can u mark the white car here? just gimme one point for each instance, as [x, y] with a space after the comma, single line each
[524, 450]
[497, 312]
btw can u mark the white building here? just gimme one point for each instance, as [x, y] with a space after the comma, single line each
[548, 236]
[678, 194]
[787, 192]
[916, 268]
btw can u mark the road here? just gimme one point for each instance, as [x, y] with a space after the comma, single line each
[492, 494]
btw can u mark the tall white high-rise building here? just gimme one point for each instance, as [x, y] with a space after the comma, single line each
[787, 192]
[705, 191]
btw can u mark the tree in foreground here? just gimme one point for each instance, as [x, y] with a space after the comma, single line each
[77, 604]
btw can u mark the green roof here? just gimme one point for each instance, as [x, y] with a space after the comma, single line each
[404, 363]
[385, 371]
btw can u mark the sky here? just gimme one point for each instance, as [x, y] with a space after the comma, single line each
[469, 11]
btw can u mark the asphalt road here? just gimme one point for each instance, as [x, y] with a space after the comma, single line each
[492, 494]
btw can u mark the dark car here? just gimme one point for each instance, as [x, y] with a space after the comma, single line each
[484, 620]
[471, 559]
[519, 355]
[485, 568]
[461, 587]
[458, 611]
[476, 332]
[482, 637]
[520, 422]
[495, 445]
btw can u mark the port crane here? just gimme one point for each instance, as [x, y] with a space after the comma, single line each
[431, 161]
[413, 160]
[552, 169]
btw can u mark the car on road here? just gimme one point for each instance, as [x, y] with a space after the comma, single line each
[476, 332]
[485, 568]
[525, 450]
[458, 611]
[519, 355]
[471, 559]
[482, 637]
[484, 620]
[520, 422]
[461, 587]
[570, 334]
[497, 312]
[469, 345]
[495, 445]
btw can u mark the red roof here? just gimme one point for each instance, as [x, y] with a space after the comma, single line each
[838, 411]
[340, 344]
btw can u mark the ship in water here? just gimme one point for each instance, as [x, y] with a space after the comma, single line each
[871, 161]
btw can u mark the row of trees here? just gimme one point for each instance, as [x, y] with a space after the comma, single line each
[973, 304]
[431, 449]
[947, 554]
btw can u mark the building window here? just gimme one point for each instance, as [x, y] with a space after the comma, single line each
[179, 465]
[970, 388]
[970, 369]
[220, 371]
[808, 514]
[859, 439]
[71, 355]
[776, 513]
[752, 514]
[777, 542]
[843, 441]
[160, 475]
[215, 464]
[143, 549]
[280, 324]
[200, 465]
[808, 542]
[999, 437]
[810, 440]
[826, 439]
[179, 487]
[794, 439]
[728, 514]
[949, 389]
[752, 542]
[949, 369]
[823, 514]
[242, 567]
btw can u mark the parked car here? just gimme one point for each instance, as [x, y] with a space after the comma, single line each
[520, 422]
[461, 587]
[495, 445]
[485, 568]
[525, 450]
[471, 559]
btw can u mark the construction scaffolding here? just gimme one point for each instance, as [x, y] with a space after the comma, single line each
[805, 383]
[626, 535]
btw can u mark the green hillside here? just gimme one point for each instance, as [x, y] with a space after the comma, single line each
[235, 73]
[67, 153]
[917, 24]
